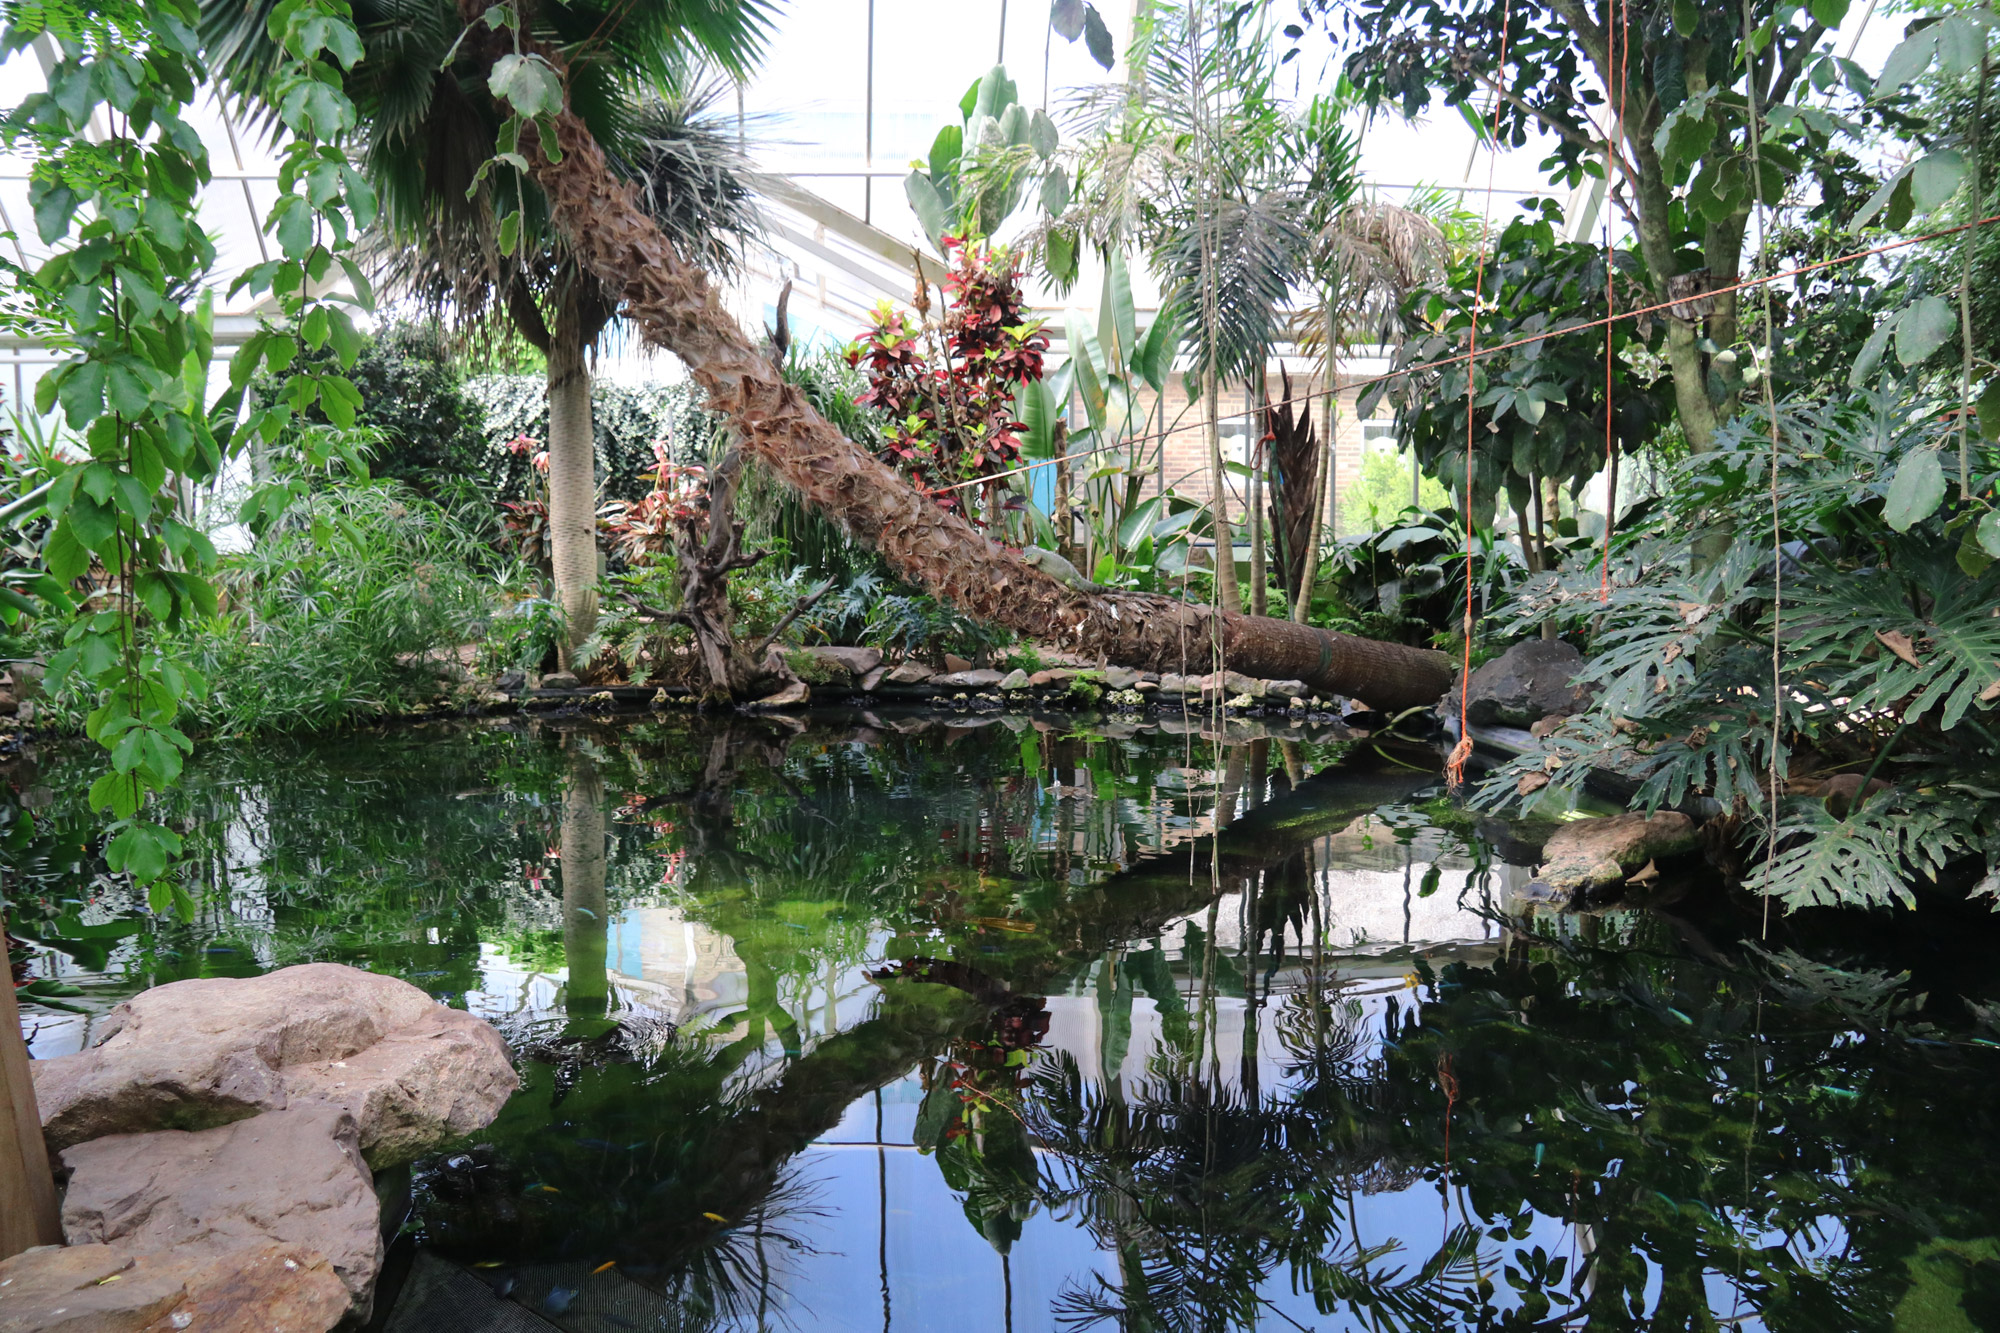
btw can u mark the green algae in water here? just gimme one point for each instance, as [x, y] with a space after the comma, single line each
[916, 1025]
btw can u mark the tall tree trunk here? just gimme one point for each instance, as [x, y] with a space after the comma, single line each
[1260, 573]
[673, 306]
[572, 473]
[27, 1192]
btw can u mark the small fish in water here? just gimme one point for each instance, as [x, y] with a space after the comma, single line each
[715, 1217]
[1006, 923]
[608, 1263]
[558, 1300]
[489, 1263]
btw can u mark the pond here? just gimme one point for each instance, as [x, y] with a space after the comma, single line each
[897, 1022]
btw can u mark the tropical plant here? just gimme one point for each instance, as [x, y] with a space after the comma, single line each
[946, 388]
[1124, 536]
[1884, 668]
[461, 207]
[1537, 405]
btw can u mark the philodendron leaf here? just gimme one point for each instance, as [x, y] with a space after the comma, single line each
[1989, 532]
[1916, 490]
[1923, 329]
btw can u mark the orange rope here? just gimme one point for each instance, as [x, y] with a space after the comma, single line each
[1454, 766]
[1443, 361]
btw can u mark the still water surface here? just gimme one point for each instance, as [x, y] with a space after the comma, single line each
[884, 1023]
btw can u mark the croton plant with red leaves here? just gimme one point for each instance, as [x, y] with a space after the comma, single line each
[948, 388]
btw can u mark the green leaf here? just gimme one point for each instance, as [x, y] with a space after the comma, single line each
[53, 211]
[94, 523]
[510, 233]
[527, 84]
[1042, 134]
[1117, 317]
[1915, 491]
[1935, 179]
[1910, 58]
[1097, 37]
[1062, 258]
[933, 213]
[1924, 327]
[1687, 17]
[946, 149]
[1989, 532]
[1880, 200]
[1989, 411]
[64, 555]
[1055, 191]
[1066, 17]
[82, 394]
[1826, 13]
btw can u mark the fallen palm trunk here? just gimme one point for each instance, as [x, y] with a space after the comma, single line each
[674, 306]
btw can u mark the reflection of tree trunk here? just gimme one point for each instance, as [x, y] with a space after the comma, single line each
[27, 1193]
[586, 916]
[674, 307]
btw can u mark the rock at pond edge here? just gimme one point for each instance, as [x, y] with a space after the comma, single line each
[1599, 853]
[195, 1054]
[282, 1178]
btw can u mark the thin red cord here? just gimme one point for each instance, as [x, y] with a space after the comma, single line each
[1618, 80]
[1454, 765]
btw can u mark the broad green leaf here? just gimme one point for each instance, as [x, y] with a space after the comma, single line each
[527, 84]
[1935, 179]
[1915, 491]
[996, 94]
[1066, 17]
[1039, 414]
[1055, 191]
[933, 213]
[82, 393]
[946, 149]
[1883, 196]
[1960, 44]
[1910, 58]
[1989, 411]
[1924, 328]
[1827, 13]
[53, 211]
[1687, 17]
[1042, 134]
[1062, 258]
[1097, 38]
[1989, 532]
[1117, 318]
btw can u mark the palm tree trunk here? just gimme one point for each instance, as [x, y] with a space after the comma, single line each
[1259, 530]
[673, 306]
[572, 475]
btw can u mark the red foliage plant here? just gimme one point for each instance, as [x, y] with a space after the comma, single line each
[948, 387]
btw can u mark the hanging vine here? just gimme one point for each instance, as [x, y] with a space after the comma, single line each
[114, 184]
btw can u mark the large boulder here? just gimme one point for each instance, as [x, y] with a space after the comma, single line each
[196, 1054]
[1588, 854]
[103, 1289]
[291, 1178]
[1525, 684]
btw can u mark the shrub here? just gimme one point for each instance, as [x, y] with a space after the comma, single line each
[351, 605]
